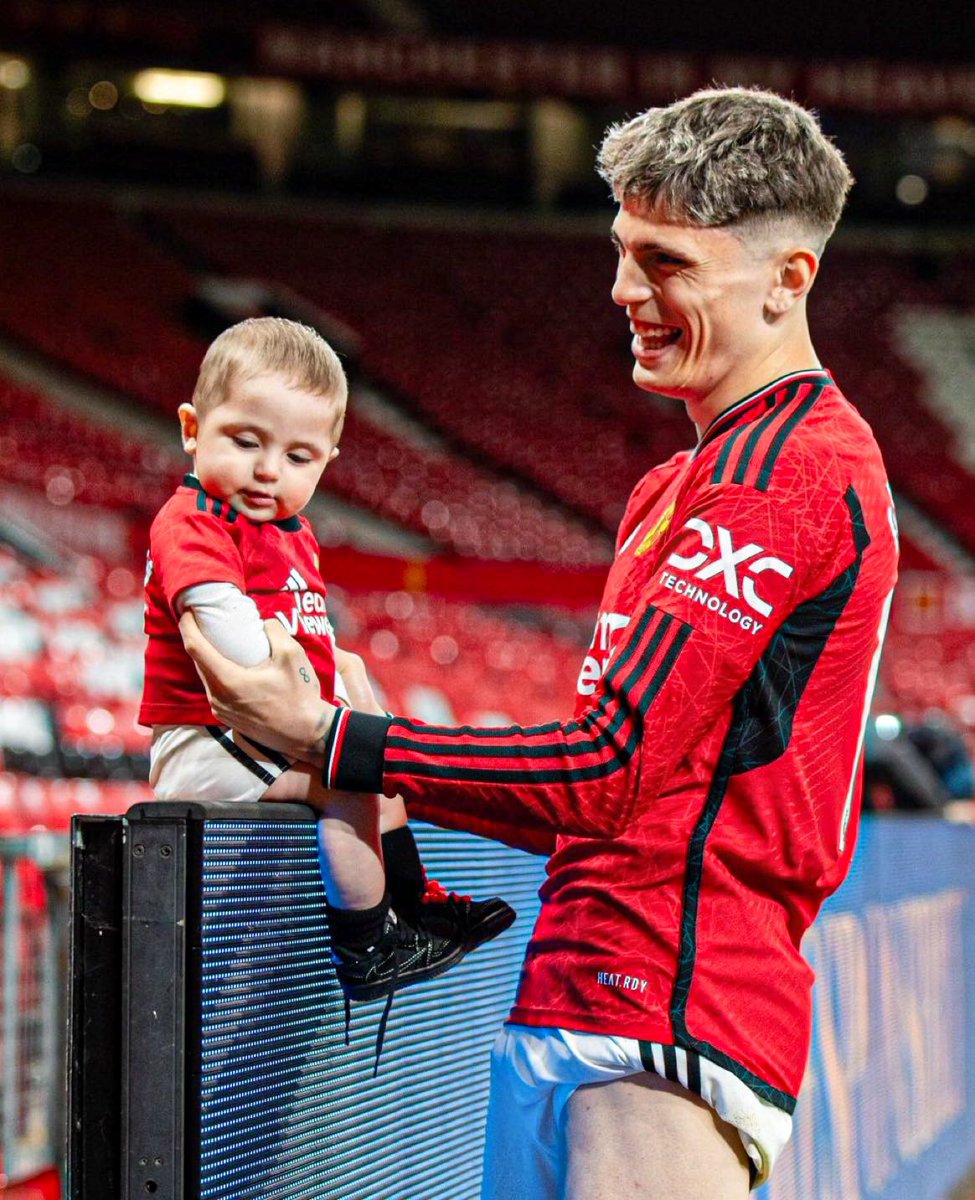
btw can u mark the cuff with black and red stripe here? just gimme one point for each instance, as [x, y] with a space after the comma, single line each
[355, 751]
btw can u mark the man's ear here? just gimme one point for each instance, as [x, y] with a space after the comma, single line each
[334, 454]
[795, 273]
[189, 426]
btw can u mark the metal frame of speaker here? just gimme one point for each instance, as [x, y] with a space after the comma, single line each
[207, 1049]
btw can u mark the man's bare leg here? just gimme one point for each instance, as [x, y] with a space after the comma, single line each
[645, 1137]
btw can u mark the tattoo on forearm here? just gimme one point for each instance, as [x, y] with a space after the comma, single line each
[304, 675]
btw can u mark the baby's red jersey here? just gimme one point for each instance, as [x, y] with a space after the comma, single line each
[198, 539]
[704, 801]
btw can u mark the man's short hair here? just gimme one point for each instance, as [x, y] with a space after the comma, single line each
[270, 345]
[724, 156]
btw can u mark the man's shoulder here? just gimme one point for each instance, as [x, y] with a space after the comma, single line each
[658, 478]
[829, 449]
[813, 444]
[647, 490]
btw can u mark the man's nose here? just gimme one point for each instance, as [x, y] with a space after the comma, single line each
[630, 286]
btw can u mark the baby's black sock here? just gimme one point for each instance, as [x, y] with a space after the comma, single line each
[356, 930]
[405, 880]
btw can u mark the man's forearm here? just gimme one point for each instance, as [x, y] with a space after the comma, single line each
[355, 753]
[315, 754]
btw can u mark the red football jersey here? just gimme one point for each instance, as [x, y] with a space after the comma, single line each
[198, 539]
[704, 801]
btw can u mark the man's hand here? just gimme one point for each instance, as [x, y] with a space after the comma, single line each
[277, 703]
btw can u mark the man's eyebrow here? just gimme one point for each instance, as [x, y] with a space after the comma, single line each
[648, 246]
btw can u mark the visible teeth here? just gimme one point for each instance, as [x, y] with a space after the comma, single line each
[656, 341]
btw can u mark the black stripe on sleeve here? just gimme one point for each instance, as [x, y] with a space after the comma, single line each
[741, 470]
[861, 535]
[472, 747]
[620, 662]
[726, 449]
[670, 1064]
[516, 773]
[765, 474]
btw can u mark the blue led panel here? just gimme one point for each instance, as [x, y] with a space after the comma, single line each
[887, 1109]
[287, 1110]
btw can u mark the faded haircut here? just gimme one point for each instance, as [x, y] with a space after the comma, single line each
[726, 156]
[270, 345]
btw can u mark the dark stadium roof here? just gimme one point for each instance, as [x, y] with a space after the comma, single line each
[890, 29]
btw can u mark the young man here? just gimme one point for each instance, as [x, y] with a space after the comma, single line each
[231, 547]
[704, 801]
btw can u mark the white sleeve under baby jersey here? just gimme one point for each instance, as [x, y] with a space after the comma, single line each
[229, 621]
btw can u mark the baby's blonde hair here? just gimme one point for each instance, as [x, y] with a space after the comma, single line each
[270, 345]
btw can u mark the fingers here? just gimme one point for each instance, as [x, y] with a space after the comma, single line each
[349, 664]
[189, 631]
[209, 662]
[281, 641]
[356, 680]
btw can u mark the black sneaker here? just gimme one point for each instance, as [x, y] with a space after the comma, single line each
[462, 919]
[403, 955]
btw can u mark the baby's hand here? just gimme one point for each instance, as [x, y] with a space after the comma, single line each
[356, 680]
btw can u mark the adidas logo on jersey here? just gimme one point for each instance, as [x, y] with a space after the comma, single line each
[308, 613]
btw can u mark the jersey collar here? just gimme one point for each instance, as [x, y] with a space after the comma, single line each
[288, 524]
[754, 404]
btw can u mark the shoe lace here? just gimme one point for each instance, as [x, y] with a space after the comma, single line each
[400, 950]
[434, 892]
[387, 1009]
[384, 1019]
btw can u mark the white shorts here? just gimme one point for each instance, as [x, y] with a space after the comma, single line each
[209, 762]
[534, 1071]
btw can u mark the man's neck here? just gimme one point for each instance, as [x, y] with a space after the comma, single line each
[785, 361]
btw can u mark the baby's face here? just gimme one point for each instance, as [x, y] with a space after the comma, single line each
[264, 448]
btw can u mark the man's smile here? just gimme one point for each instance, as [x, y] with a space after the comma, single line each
[650, 338]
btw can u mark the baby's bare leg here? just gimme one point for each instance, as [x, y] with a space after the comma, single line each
[348, 837]
[392, 813]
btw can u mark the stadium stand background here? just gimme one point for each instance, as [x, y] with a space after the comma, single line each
[416, 179]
